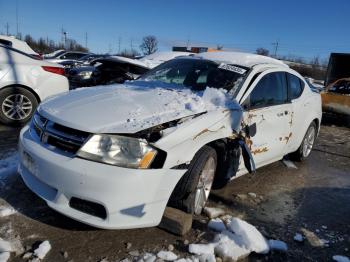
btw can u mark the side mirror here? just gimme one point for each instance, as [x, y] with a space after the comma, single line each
[251, 130]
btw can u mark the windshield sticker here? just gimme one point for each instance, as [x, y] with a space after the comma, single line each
[232, 68]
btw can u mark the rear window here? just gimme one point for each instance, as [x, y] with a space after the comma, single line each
[5, 42]
[296, 86]
[20, 52]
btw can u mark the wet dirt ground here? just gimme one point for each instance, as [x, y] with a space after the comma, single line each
[313, 199]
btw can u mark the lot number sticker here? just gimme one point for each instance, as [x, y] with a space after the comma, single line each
[232, 68]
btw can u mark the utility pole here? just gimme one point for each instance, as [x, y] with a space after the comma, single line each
[17, 27]
[7, 28]
[188, 42]
[119, 43]
[276, 44]
[86, 39]
[131, 43]
[65, 39]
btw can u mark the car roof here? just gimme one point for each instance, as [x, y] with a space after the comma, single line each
[240, 58]
[10, 48]
[19, 44]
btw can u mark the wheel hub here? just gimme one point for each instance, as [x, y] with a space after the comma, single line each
[205, 183]
[309, 141]
[17, 107]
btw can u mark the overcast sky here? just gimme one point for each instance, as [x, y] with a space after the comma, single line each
[302, 28]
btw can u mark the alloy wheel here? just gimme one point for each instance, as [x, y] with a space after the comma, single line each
[205, 183]
[309, 140]
[17, 107]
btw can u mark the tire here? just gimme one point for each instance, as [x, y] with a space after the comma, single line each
[192, 191]
[307, 144]
[17, 105]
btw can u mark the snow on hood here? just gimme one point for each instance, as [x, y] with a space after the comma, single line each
[131, 107]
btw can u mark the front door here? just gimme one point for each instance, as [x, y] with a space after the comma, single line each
[267, 106]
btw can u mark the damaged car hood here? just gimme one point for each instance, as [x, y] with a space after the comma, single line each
[127, 108]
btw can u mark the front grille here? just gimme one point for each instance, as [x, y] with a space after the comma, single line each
[57, 136]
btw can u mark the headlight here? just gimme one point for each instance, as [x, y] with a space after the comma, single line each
[85, 74]
[118, 150]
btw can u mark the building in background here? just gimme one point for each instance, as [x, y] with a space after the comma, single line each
[194, 49]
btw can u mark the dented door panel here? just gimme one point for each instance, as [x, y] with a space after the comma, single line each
[273, 132]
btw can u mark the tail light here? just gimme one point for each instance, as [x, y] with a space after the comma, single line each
[55, 70]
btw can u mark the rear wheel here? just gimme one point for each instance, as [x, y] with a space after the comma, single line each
[192, 191]
[307, 144]
[17, 105]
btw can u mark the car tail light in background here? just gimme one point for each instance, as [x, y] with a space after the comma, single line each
[55, 70]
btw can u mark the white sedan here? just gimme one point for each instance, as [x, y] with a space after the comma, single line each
[25, 81]
[116, 156]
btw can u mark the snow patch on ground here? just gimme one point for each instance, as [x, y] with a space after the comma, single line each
[200, 249]
[6, 211]
[42, 250]
[216, 224]
[4, 256]
[5, 246]
[251, 237]
[278, 245]
[289, 164]
[167, 255]
[236, 241]
[298, 237]
[339, 258]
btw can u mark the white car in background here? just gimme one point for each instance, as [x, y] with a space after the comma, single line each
[66, 56]
[25, 81]
[115, 156]
[18, 44]
[158, 58]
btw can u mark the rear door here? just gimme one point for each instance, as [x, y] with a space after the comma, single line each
[266, 104]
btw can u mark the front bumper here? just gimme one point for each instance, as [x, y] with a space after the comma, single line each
[132, 198]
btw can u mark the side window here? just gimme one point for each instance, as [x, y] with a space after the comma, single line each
[5, 42]
[270, 90]
[296, 86]
[71, 56]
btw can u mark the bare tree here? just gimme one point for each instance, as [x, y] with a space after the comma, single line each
[262, 51]
[130, 53]
[315, 62]
[149, 44]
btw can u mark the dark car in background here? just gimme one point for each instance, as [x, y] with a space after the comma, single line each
[108, 70]
[85, 60]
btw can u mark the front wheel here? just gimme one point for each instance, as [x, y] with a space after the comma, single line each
[307, 144]
[192, 191]
[17, 105]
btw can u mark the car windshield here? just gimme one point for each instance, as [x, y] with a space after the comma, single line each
[197, 74]
[20, 52]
